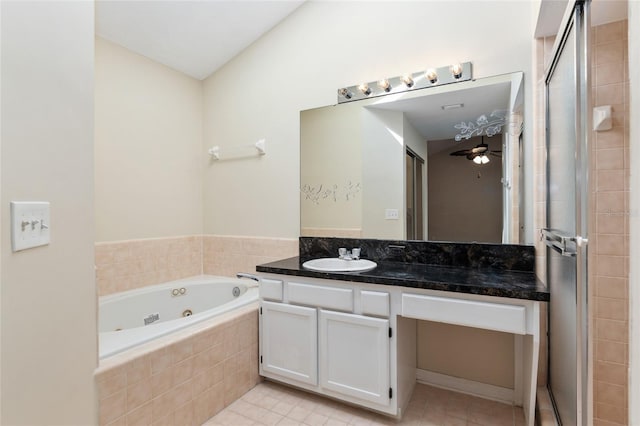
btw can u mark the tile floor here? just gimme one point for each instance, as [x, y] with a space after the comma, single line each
[273, 404]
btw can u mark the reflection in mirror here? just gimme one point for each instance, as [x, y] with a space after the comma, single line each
[465, 199]
[439, 164]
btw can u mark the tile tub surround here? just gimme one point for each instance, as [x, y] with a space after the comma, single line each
[182, 379]
[467, 255]
[228, 255]
[127, 265]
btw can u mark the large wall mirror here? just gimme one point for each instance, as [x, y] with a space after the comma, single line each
[439, 164]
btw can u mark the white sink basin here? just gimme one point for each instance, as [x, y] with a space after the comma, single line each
[332, 264]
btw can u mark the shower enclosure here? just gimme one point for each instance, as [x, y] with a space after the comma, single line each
[567, 101]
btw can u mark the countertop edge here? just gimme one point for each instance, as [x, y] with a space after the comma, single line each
[533, 293]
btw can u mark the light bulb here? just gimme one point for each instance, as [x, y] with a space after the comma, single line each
[484, 159]
[345, 93]
[384, 85]
[407, 80]
[456, 70]
[477, 160]
[364, 88]
[431, 75]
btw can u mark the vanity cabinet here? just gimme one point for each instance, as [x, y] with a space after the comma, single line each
[354, 355]
[289, 342]
[356, 341]
[316, 337]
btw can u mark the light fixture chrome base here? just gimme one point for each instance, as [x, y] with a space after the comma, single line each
[418, 80]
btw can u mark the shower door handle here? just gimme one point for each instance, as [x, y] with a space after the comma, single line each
[564, 244]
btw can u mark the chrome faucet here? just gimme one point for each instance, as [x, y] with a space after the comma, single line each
[355, 253]
[345, 254]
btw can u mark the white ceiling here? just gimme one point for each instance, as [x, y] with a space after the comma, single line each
[193, 37]
[434, 123]
[198, 37]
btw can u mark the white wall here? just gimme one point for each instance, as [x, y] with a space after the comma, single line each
[148, 147]
[382, 178]
[332, 154]
[634, 219]
[49, 347]
[337, 141]
[299, 65]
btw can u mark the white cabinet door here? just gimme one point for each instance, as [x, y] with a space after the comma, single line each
[289, 342]
[354, 356]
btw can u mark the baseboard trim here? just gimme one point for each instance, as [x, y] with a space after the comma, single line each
[470, 387]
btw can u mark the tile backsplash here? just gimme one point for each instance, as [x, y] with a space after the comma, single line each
[466, 255]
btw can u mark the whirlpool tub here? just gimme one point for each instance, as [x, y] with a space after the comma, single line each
[134, 317]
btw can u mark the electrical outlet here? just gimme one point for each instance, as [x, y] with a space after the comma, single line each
[391, 214]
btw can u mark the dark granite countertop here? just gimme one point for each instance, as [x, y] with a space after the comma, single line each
[482, 281]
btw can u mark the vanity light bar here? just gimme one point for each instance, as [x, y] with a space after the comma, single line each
[418, 80]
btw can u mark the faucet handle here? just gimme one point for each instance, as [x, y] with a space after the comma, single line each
[355, 253]
[342, 252]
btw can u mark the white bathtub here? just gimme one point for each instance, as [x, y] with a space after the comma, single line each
[121, 322]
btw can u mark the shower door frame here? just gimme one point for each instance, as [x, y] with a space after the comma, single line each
[577, 17]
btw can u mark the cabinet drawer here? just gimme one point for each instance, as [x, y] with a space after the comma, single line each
[340, 299]
[271, 289]
[375, 303]
[470, 313]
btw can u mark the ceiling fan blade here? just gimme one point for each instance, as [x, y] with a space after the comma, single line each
[496, 153]
[480, 148]
[471, 156]
[461, 152]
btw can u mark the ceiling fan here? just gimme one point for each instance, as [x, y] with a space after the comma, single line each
[479, 154]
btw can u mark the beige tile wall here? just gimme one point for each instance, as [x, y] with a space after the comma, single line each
[609, 227]
[186, 382]
[125, 265]
[228, 255]
[331, 232]
[609, 220]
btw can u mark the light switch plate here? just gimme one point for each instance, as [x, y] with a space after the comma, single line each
[30, 224]
[391, 214]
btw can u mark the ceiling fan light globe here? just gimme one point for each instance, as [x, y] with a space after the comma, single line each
[477, 160]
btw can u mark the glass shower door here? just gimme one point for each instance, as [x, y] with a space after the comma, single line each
[561, 219]
[566, 222]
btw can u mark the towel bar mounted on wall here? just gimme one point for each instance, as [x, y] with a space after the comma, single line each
[238, 151]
